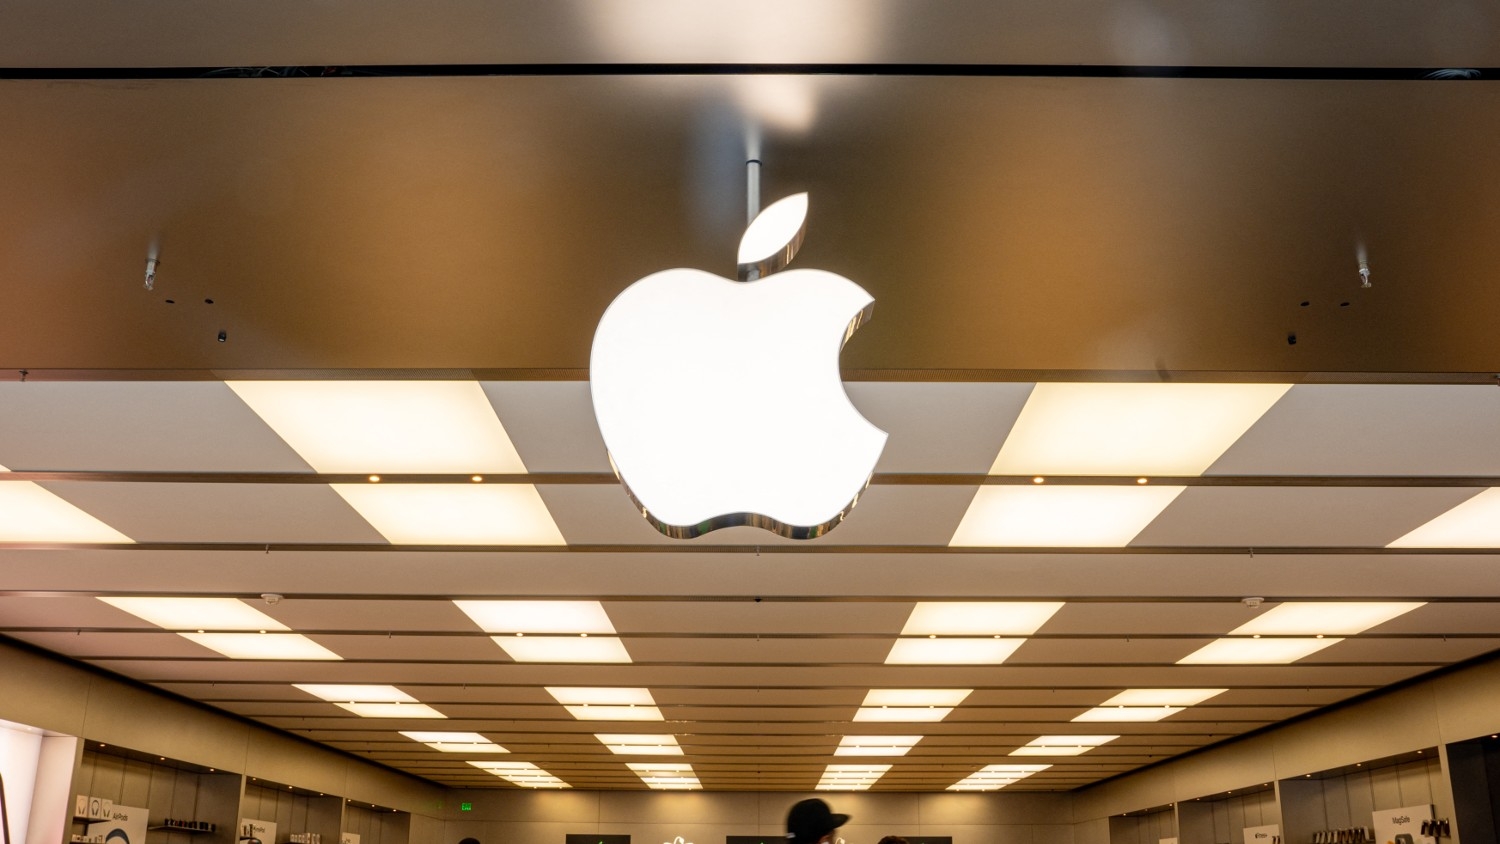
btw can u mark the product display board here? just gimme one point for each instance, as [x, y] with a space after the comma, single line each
[1402, 826]
[126, 825]
[587, 838]
[263, 832]
[1268, 834]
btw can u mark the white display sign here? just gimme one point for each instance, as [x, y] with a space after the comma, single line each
[348, 838]
[1402, 826]
[125, 825]
[262, 831]
[1267, 834]
[1166, 841]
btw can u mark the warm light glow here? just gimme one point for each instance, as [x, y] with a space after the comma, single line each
[876, 745]
[952, 651]
[217, 614]
[455, 742]
[415, 427]
[290, 646]
[718, 398]
[776, 226]
[1247, 651]
[640, 744]
[347, 693]
[979, 618]
[524, 774]
[1061, 516]
[1130, 429]
[1473, 524]
[993, 777]
[1061, 745]
[909, 705]
[538, 616]
[454, 514]
[1327, 618]
[563, 648]
[1123, 714]
[666, 776]
[31, 513]
[850, 777]
[1162, 697]
[391, 710]
[571, 695]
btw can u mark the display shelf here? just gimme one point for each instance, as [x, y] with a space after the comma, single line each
[1339, 804]
[183, 829]
[1224, 817]
[1145, 826]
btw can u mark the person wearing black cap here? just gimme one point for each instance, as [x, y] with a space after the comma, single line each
[812, 822]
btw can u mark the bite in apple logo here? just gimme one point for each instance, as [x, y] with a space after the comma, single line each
[720, 401]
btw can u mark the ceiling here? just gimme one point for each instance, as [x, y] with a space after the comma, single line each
[757, 650]
[1072, 191]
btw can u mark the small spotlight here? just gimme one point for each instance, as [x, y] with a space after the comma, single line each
[374, 479]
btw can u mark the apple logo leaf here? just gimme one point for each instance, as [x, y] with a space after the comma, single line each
[773, 237]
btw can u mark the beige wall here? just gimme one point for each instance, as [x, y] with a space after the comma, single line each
[543, 817]
[65, 698]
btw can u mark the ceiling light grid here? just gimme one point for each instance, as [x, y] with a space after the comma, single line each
[1146, 705]
[876, 745]
[549, 631]
[968, 632]
[909, 705]
[640, 744]
[369, 701]
[607, 704]
[30, 512]
[995, 777]
[451, 742]
[1128, 430]
[666, 776]
[524, 774]
[1297, 630]
[228, 626]
[1062, 745]
[851, 777]
[409, 427]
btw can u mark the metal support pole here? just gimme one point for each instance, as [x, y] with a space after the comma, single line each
[752, 189]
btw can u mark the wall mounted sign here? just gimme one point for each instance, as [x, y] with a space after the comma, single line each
[1268, 834]
[1402, 826]
[720, 401]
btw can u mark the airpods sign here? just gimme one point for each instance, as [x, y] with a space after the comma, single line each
[1268, 834]
[1402, 826]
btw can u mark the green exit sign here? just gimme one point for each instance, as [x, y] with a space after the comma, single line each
[466, 807]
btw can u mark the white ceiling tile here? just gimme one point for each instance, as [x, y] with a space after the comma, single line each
[193, 512]
[1360, 517]
[397, 646]
[1455, 617]
[551, 424]
[379, 615]
[65, 612]
[870, 651]
[1104, 651]
[1435, 652]
[1372, 429]
[886, 515]
[745, 615]
[155, 643]
[1137, 617]
[136, 426]
[940, 427]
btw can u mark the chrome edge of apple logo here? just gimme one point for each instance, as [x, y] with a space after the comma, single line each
[721, 403]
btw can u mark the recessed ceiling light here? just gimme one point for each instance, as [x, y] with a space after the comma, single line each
[454, 514]
[348, 692]
[979, 618]
[993, 777]
[385, 426]
[666, 776]
[1130, 429]
[1246, 651]
[524, 774]
[538, 616]
[952, 651]
[563, 649]
[1061, 516]
[449, 742]
[1473, 524]
[1162, 697]
[390, 710]
[850, 777]
[607, 704]
[1061, 745]
[215, 614]
[640, 744]
[288, 646]
[876, 745]
[1123, 714]
[31, 513]
[1331, 618]
[916, 697]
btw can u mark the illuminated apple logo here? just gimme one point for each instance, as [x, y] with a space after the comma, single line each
[720, 401]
